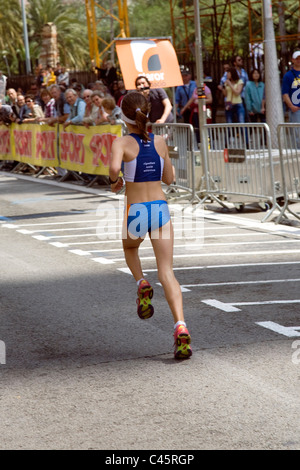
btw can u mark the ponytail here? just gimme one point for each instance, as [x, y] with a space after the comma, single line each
[135, 109]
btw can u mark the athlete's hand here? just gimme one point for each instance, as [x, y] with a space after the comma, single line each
[117, 186]
[294, 108]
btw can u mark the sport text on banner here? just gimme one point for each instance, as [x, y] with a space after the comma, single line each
[29, 143]
[87, 150]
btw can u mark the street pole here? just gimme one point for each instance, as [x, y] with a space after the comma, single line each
[27, 54]
[274, 106]
[200, 82]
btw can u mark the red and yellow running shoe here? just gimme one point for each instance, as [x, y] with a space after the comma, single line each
[182, 341]
[145, 293]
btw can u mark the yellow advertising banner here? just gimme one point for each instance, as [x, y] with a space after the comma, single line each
[35, 144]
[29, 143]
[76, 148]
[5, 143]
[87, 150]
[154, 58]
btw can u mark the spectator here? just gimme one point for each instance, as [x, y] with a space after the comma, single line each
[108, 72]
[221, 86]
[113, 111]
[114, 88]
[184, 93]
[49, 77]
[6, 114]
[290, 89]
[57, 69]
[39, 73]
[79, 88]
[35, 111]
[23, 109]
[49, 108]
[193, 105]
[211, 83]
[238, 64]
[3, 81]
[61, 106]
[119, 95]
[91, 110]
[63, 77]
[161, 107]
[97, 98]
[35, 92]
[232, 91]
[255, 97]
[77, 108]
[12, 95]
[99, 85]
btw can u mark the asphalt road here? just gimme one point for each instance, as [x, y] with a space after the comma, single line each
[79, 370]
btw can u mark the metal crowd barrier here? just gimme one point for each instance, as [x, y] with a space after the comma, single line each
[180, 140]
[289, 146]
[241, 167]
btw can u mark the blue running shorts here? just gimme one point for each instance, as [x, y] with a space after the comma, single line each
[146, 217]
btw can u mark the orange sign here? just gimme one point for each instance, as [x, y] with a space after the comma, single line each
[154, 58]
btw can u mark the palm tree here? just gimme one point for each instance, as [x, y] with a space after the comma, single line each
[11, 32]
[70, 22]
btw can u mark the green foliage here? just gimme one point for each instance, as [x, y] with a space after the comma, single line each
[149, 18]
[10, 31]
[70, 22]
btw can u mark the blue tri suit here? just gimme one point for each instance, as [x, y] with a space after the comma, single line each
[148, 165]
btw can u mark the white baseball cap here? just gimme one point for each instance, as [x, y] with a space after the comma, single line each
[296, 54]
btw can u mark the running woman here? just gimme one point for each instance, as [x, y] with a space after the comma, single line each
[146, 164]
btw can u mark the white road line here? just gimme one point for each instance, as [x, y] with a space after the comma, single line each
[119, 240]
[225, 307]
[113, 234]
[102, 260]
[25, 231]
[52, 223]
[243, 222]
[184, 245]
[248, 243]
[221, 266]
[203, 244]
[209, 255]
[232, 306]
[238, 283]
[289, 331]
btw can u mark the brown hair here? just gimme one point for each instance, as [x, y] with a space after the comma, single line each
[234, 75]
[139, 77]
[109, 103]
[45, 92]
[135, 107]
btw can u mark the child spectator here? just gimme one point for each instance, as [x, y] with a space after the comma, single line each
[113, 111]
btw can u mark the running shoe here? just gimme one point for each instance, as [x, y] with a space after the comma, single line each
[182, 341]
[145, 293]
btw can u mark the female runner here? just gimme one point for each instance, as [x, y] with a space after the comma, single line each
[146, 165]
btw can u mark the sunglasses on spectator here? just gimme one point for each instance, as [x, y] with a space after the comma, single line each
[28, 101]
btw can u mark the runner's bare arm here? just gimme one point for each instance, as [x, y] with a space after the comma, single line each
[117, 153]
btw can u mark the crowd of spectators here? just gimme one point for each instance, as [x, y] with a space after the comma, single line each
[53, 97]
